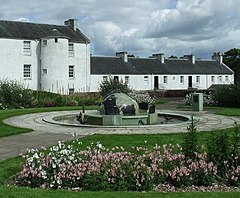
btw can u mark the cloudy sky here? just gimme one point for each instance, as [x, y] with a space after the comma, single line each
[141, 27]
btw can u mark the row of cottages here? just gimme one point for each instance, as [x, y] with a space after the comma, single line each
[56, 58]
[156, 72]
[46, 57]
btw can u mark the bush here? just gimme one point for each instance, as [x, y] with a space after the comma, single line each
[14, 95]
[228, 96]
[110, 85]
[97, 168]
[190, 146]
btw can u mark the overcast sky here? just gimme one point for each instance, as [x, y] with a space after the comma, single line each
[141, 27]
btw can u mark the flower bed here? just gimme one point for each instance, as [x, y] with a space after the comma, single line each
[98, 168]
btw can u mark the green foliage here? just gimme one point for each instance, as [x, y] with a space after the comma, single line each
[14, 95]
[218, 150]
[232, 59]
[228, 96]
[190, 144]
[110, 85]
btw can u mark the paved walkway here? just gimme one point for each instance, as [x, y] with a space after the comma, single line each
[46, 134]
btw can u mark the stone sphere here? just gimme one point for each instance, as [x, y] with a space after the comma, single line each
[119, 103]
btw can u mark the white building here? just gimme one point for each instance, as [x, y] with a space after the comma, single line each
[46, 57]
[57, 58]
[157, 72]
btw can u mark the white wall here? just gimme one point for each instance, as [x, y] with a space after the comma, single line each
[138, 82]
[56, 59]
[12, 60]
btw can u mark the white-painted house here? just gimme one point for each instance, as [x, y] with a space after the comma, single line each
[57, 58]
[157, 72]
[46, 57]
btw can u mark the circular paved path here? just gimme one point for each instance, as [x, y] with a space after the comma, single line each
[46, 134]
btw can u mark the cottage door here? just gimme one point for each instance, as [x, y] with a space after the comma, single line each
[189, 81]
[156, 82]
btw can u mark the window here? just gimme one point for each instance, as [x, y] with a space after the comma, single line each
[56, 40]
[115, 78]
[226, 79]
[70, 49]
[71, 71]
[27, 71]
[182, 79]
[27, 48]
[213, 79]
[71, 91]
[165, 79]
[44, 71]
[219, 79]
[45, 43]
[145, 80]
[197, 79]
[104, 78]
[126, 80]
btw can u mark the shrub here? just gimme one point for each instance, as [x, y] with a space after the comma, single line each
[190, 146]
[228, 95]
[218, 150]
[110, 85]
[98, 168]
[208, 99]
[14, 95]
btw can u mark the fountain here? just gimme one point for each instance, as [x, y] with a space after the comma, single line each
[120, 110]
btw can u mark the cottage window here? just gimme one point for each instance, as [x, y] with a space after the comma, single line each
[44, 43]
[126, 80]
[213, 79]
[27, 48]
[198, 79]
[226, 79]
[71, 71]
[104, 78]
[56, 40]
[116, 78]
[165, 78]
[44, 71]
[220, 79]
[71, 91]
[145, 80]
[182, 79]
[27, 71]
[70, 49]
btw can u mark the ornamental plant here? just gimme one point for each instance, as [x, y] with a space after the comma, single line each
[97, 168]
[14, 95]
[140, 97]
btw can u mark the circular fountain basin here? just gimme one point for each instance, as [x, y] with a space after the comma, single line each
[95, 119]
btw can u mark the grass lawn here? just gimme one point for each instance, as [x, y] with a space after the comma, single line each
[11, 166]
[6, 130]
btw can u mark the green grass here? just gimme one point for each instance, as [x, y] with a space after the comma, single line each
[226, 111]
[12, 166]
[26, 192]
[6, 130]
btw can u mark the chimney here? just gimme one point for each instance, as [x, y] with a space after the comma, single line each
[122, 55]
[192, 58]
[159, 56]
[72, 23]
[217, 56]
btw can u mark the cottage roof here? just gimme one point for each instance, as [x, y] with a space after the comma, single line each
[32, 31]
[115, 65]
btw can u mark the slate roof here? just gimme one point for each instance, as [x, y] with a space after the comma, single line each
[32, 31]
[115, 65]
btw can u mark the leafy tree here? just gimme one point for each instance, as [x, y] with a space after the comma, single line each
[232, 59]
[111, 85]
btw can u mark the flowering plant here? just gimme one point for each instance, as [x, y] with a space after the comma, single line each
[98, 168]
[142, 97]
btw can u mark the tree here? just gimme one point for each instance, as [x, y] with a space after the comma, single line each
[232, 59]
